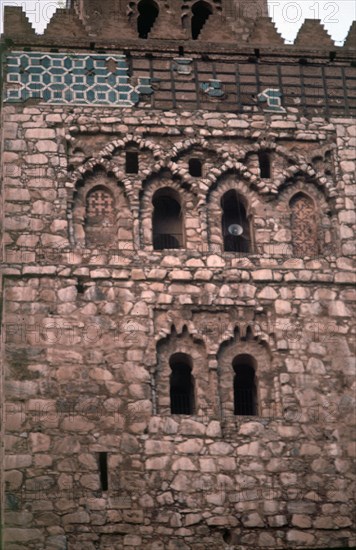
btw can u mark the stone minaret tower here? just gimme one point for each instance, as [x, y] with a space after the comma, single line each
[177, 192]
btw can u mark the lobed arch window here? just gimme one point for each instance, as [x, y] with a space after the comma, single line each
[245, 389]
[264, 159]
[304, 226]
[167, 220]
[148, 13]
[235, 225]
[100, 216]
[181, 384]
[201, 12]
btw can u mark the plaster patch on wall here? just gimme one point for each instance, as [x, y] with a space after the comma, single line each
[92, 79]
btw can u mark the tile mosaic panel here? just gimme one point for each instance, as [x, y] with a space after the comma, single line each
[81, 79]
[180, 83]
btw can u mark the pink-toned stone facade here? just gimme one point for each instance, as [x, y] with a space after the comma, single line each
[94, 317]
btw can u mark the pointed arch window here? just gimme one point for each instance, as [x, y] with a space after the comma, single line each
[181, 384]
[245, 389]
[235, 225]
[304, 226]
[167, 221]
[201, 12]
[100, 216]
[148, 13]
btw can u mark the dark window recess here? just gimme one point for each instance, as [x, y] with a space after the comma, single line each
[103, 470]
[201, 13]
[148, 13]
[265, 164]
[235, 225]
[131, 165]
[181, 385]
[195, 168]
[245, 393]
[167, 222]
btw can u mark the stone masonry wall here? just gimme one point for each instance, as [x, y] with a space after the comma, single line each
[88, 333]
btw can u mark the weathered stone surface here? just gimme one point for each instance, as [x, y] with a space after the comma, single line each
[93, 316]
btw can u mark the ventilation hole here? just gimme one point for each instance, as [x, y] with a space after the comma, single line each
[131, 162]
[195, 167]
[201, 13]
[181, 51]
[80, 286]
[227, 537]
[103, 469]
[265, 164]
[148, 13]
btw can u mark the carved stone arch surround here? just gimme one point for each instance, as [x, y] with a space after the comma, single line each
[123, 218]
[230, 180]
[297, 164]
[195, 349]
[94, 164]
[267, 376]
[188, 203]
[243, 331]
[141, 143]
[327, 225]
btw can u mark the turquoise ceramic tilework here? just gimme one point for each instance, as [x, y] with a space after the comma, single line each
[81, 79]
[213, 88]
[273, 98]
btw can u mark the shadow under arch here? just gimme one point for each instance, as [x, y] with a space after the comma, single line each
[148, 12]
[201, 11]
[182, 384]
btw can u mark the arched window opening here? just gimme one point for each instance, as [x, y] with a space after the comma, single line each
[235, 225]
[195, 167]
[167, 222]
[100, 216]
[148, 13]
[181, 385]
[265, 164]
[245, 390]
[304, 226]
[201, 13]
[131, 163]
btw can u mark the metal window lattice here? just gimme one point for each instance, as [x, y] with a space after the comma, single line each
[100, 206]
[304, 227]
[75, 79]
